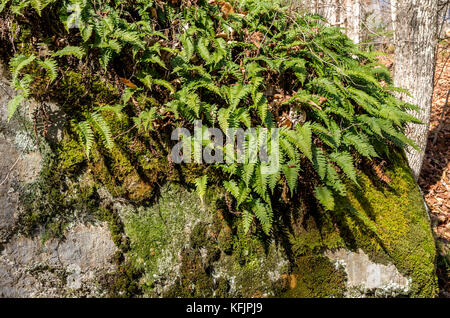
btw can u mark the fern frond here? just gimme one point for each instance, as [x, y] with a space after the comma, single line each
[102, 127]
[247, 220]
[13, 104]
[332, 180]
[291, 171]
[70, 50]
[164, 83]
[3, 3]
[319, 162]
[18, 62]
[261, 181]
[232, 188]
[361, 143]
[325, 197]
[86, 135]
[200, 184]
[264, 215]
[145, 119]
[50, 66]
[345, 161]
[248, 172]
[304, 139]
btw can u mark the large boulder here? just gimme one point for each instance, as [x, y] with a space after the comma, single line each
[377, 242]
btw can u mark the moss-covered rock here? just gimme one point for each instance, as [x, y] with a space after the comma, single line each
[386, 219]
[169, 242]
[186, 249]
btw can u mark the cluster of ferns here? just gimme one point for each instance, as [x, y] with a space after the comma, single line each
[236, 68]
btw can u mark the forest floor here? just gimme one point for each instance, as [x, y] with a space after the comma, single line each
[435, 175]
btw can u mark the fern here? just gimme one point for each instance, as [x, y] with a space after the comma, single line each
[361, 143]
[18, 62]
[247, 219]
[218, 71]
[232, 188]
[13, 104]
[264, 215]
[3, 4]
[97, 121]
[70, 50]
[345, 161]
[86, 135]
[50, 66]
[325, 197]
[200, 184]
[145, 119]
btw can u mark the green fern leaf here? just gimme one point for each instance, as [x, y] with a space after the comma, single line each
[70, 50]
[50, 66]
[86, 135]
[232, 188]
[325, 197]
[319, 162]
[247, 220]
[18, 62]
[13, 104]
[291, 171]
[101, 125]
[145, 119]
[200, 184]
[304, 139]
[345, 161]
[264, 215]
[361, 143]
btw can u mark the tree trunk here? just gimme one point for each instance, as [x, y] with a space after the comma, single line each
[415, 23]
[352, 22]
[339, 13]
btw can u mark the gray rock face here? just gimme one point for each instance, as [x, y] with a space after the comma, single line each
[365, 276]
[8, 197]
[30, 268]
[20, 161]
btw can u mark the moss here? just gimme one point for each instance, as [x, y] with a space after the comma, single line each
[388, 221]
[124, 282]
[251, 264]
[315, 277]
[195, 279]
[53, 201]
[186, 249]
[115, 226]
[206, 271]
[404, 232]
[71, 155]
[80, 89]
[225, 239]
[159, 232]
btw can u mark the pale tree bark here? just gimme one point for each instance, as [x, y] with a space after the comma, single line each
[393, 15]
[339, 13]
[352, 20]
[415, 28]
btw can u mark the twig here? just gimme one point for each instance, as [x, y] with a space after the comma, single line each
[228, 203]
[7, 175]
[125, 132]
[442, 69]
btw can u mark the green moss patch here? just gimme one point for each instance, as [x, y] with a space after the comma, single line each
[387, 220]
